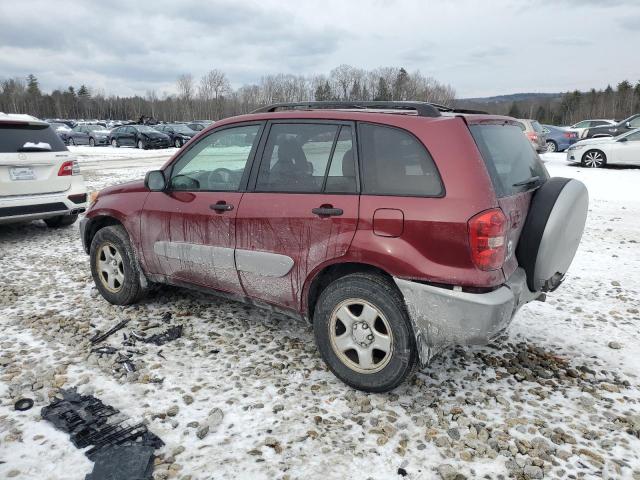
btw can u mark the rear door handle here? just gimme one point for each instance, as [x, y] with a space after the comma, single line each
[221, 206]
[327, 212]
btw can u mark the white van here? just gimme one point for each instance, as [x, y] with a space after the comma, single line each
[39, 177]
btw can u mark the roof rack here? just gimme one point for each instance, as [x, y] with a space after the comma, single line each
[422, 109]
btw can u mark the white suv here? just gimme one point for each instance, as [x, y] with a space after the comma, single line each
[39, 177]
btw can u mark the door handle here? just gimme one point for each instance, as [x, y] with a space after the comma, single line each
[327, 211]
[221, 206]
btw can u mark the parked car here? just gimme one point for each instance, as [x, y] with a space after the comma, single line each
[421, 231]
[533, 131]
[598, 152]
[39, 177]
[199, 125]
[581, 127]
[616, 129]
[91, 135]
[178, 133]
[141, 136]
[558, 138]
[62, 130]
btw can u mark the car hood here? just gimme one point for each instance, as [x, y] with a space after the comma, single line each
[592, 141]
[128, 187]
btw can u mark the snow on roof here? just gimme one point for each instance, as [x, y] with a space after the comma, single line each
[18, 117]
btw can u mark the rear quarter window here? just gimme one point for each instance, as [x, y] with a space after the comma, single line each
[509, 157]
[394, 162]
[29, 138]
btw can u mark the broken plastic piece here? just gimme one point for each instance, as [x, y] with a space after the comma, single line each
[161, 338]
[99, 338]
[23, 404]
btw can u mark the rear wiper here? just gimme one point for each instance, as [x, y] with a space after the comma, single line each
[529, 181]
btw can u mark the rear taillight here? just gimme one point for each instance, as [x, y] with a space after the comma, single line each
[569, 135]
[487, 237]
[532, 136]
[70, 167]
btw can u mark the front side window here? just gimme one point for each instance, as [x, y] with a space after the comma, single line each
[634, 137]
[635, 123]
[308, 157]
[394, 162]
[216, 162]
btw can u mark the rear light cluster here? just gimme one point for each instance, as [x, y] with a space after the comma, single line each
[68, 168]
[570, 135]
[532, 136]
[488, 239]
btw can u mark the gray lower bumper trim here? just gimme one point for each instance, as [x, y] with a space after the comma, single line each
[444, 317]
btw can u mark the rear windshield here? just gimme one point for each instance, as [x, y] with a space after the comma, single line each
[29, 138]
[509, 158]
[536, 126]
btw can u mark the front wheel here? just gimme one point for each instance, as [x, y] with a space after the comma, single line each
[71, 141]
[92, 142]
[114, 267]
[363, 332]
[177, 143]
[594, 159]
[114, 143]
[60, 221]
[140, 144]
[552, 146]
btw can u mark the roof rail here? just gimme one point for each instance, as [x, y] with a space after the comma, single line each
[423, 109]
[444, 108]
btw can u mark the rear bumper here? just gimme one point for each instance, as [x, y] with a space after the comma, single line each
[443, 317]
[22, 208]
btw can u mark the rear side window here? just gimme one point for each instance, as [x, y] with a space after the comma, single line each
[508, 156]
[536, 126]
[394, 162]
[29, 138]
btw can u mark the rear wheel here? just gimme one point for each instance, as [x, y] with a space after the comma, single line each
[177, 143]
[594, 159]
[552, 146]
[92, 142]
[140, 144]
[114, 267]
[60, 221]
[363, 332]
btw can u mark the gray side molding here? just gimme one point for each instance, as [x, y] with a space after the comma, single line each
[263, 263]
[215, 257]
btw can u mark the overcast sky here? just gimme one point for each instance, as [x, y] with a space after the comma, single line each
[481, 48]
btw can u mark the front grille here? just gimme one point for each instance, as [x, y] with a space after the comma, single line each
[32, 209]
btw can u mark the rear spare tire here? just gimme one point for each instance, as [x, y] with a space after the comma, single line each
[552, 232]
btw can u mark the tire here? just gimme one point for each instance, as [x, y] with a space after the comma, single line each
[71, 142]
[177, 143]
[61, 221]
[114, 267]
[374, 307]
[140, 145]
[552, 146]
[114, 143]
[92, 142]
[593, 159]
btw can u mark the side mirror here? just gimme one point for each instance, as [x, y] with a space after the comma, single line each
[628, 124]
[155, 181]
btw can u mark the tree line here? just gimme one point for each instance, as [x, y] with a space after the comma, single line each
[571, 107]
[212, 96]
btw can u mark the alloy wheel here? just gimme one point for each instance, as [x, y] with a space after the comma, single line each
[110, 267]
[551, 147]
[361, 336]
[593, 159]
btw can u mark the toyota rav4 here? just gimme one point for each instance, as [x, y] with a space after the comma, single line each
[395, 228]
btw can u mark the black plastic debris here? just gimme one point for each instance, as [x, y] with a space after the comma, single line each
[121, 449]
[107, 350]
[23, 404]
[160, 338]
[97, 338]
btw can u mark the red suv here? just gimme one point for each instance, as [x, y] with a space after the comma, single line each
[395, 228]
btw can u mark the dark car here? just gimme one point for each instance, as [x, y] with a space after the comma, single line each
[558, 138]
[62, 130]
[91, 135]
[199, 125]
[393, 228]
[178, 133]
[624, 126]
[141, 136]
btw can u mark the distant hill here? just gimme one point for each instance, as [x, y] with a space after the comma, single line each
[514, 97]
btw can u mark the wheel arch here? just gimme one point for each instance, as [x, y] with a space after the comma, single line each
[97, 223]
[323, 276]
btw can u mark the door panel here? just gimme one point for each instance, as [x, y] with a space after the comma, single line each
[305, 214]
[189, 230]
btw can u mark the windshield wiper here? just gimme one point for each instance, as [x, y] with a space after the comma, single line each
[528, 182]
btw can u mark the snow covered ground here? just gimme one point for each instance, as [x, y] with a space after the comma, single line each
[558, 396]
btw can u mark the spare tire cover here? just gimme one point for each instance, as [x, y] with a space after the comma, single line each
[552, 232]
